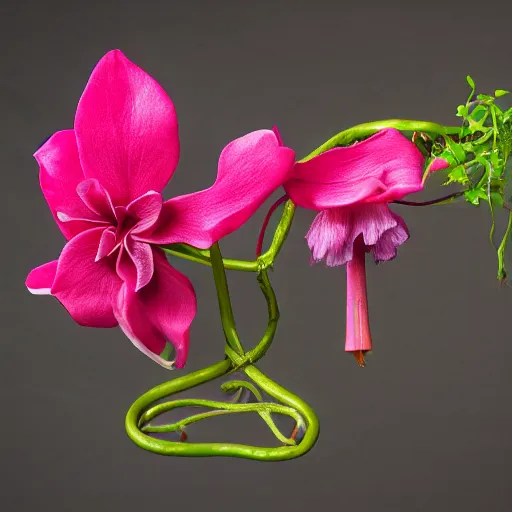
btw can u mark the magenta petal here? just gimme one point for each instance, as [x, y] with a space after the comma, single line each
[333, 232]
[329, 237]
[107, 243]
[162, 311]
[87, 288]
[125, 267]
[250, 169]
[382, 168]
[60, 173]
[141, 255]
[386, 247]
[135, 264]
[40, 279]
[147, 208]
[127, 130]
[96, 198]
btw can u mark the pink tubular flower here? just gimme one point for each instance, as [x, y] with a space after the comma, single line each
[350, 187]
[103, 182]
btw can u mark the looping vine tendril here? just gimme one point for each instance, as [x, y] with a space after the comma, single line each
[143, 411]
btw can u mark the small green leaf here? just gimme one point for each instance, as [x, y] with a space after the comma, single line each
[486, 98]
[474, 195]
[470, 82]
[500, 92]
[456, 149]
[462, 111]
[458, 174]
[478, 114]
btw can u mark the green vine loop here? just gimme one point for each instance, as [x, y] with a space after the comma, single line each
[141, 413]
[290, 405]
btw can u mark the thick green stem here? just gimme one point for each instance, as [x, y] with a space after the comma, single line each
[226, 311]
[295, 405]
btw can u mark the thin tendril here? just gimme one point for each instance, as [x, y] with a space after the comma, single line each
[432, 201]
[261, 237]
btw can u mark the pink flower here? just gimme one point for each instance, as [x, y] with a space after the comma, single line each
[350, 187]
[103, 182]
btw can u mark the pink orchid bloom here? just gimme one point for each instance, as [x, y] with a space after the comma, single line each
[350, 187]
[103, 182]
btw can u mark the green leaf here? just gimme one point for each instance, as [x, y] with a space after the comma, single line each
[462, 111]
[478, 114]
[456, 149]
[474, 195]
[500, 92]
[458, 174]
[470, 82]
[486, 98]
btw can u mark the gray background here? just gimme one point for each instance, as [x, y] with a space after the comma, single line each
[425, 427]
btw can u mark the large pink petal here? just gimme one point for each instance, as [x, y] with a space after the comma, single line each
[250, 169]
[127, 130]
[87, 288]
[40, 279]
[382, 168]
[59, 175]
[162, 311]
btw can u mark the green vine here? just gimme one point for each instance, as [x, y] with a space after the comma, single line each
[477, 153]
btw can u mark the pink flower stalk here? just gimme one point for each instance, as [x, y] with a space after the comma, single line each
[103, 182]
[350, 187]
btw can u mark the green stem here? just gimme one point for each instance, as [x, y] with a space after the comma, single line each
[273, 317]
[222, 406]
[347, 137]
[165, 447]
[161, 391]
[440, 200]
[226, 311]
[501, 249]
